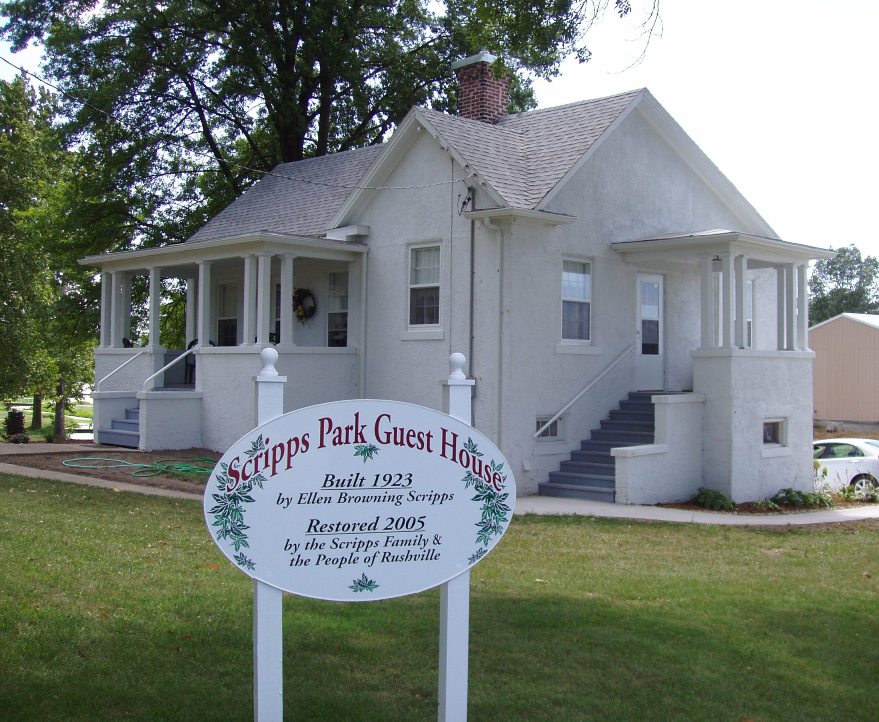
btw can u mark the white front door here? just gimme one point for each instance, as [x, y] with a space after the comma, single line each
[649, 334]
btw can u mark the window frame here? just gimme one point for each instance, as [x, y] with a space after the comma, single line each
[587, 301]
[411, 253]
[334, 313]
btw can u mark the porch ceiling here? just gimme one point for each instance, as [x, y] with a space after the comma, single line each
[184, 257]
[762, 252]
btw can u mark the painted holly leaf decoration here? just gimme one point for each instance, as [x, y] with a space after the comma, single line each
[243, 561]
[495, 509]
[363, 584]
[477, 555]
[471, 448]
[255, 447]
[366, 451]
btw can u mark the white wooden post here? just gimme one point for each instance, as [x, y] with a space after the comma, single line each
[268, 675]
[155, 282]
[455, 594]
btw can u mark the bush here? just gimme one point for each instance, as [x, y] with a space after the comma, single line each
[711, 499]
[21, 438]
[14, 423]
[797, 499]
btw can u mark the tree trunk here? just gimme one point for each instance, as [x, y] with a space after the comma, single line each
[60, 433]
[37, 412]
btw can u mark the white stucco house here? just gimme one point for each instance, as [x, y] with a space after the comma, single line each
[573, 254]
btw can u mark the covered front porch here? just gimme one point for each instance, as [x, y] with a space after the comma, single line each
[745, 428]
[302, 295]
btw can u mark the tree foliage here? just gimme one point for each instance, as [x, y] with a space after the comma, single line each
[185, 102]
[847, 283]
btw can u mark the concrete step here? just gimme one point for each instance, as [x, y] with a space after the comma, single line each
[604, 468]
[624, 437]
[590, 480]
[117, 437]
[643, 425]
[133, 414]
[570, 491]
[125, 425]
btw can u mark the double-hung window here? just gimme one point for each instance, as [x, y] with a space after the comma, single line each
[424, 285]
[337, 309]
[576, 300]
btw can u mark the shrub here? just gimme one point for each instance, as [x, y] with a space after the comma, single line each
[711, 499]
[14, 423]
[21, 438]
[766, 505]
[802, 499]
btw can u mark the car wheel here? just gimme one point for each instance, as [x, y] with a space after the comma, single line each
[862, 484]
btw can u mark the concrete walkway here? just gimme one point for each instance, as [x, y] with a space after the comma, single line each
[544, 505]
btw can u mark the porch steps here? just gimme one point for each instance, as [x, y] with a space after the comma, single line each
[590, 472]
[124, 431]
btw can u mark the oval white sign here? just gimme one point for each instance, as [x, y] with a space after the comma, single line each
[359, 500]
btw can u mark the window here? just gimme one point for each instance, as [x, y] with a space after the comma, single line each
[424, 278]
[227, 314]
[773, 433]
[551, 431]
[337, 309]
[576, 300]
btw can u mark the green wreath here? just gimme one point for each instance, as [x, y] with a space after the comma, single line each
[304, 305]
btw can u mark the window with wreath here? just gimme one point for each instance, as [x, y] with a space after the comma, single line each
[337, 309]
[424, 289]
[576, 300]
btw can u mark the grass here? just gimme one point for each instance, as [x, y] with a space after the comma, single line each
[76, 411]
[117, 606]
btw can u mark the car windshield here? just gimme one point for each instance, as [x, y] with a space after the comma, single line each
[872, 442]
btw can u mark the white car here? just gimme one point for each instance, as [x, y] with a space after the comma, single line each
[852, 462]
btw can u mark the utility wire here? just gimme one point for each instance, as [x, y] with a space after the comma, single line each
[232, 163]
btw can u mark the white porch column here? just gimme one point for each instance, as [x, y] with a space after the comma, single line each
[727, 286]
[780, 298]
[204, 303]
[741, 264]
[790, 306]
[190, 310]
[116, 309]
[802, 309]
[106, 309]
[286, 311]
[706, 283]
[125, 307]
[155, 306]
[263, 297]
[248, 323]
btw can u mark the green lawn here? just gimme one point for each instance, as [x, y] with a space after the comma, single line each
[116, 606]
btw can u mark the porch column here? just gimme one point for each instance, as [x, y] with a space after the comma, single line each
[286, 310]
[190, 310]
[204, 303]
[106, 309]
[116, 309]
[155, 306]
[780, 297]
[741, 264]
[263, 297]
[248, 323]
[790, 306]
[802, 309]
[706, 273]
[125, 307]
[727, 286]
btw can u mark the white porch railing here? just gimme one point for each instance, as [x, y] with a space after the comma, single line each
[146, 383]
[119, 368]
[612, 365]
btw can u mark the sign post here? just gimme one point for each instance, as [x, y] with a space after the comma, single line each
[360, 500]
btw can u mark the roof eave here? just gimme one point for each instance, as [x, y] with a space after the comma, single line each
[553, 219]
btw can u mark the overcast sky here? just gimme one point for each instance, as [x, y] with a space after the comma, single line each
[780, 94]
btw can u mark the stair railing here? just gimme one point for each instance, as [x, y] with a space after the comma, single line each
[119, 368]
[146, 383]
[610, 367]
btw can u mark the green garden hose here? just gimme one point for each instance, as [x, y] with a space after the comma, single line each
[194, 467]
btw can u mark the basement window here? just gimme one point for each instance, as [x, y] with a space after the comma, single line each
[551, 432]
[773, 432]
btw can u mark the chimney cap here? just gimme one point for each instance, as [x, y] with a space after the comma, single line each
[481, 57]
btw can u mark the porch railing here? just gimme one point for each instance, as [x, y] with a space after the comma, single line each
[146, 383]
[607, 369]
[119, 368]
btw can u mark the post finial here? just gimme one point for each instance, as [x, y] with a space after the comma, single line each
[268, 356]
[456, 364]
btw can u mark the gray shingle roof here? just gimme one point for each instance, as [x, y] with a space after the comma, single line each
[522, 157]
[526, 154]
[297, 198]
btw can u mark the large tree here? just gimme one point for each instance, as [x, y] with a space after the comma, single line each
[847, 283]
[187, 102]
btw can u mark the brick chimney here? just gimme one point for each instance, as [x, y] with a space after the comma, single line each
[482, 96]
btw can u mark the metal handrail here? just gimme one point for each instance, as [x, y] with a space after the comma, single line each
[119, 368]
[166, 367]
[586, 388]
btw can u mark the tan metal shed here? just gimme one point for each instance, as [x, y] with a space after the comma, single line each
[846, 370]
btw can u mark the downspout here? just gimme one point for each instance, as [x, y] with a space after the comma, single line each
[470, 345]
[361, 370]
[500, 327]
